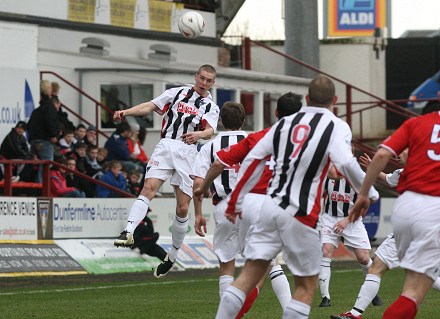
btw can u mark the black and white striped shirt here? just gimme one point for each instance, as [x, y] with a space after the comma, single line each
[184, 111]
[302, 145]
[340, 197]
[227, 180]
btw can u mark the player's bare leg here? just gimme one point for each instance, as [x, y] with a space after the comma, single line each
[234, 298]
[414, 290]
[138, 211]
[299, 306]
[179, 228]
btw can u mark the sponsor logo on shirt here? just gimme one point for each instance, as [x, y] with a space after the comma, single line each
[186, 108]
[336, 197]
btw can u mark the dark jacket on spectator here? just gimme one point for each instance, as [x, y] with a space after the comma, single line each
[117, 148]
[14, 146]
[64, 122]
[92, 167]
[43, 123]
[79, 183]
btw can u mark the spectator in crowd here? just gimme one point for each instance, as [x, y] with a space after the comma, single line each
[114, 177]
[55, 88]
[66, 143]
[135, 144]
[145, 239]
[58, 183]
[92, 166]
[117, 148]
[15, 146]
[80, 134]
[74, 180]
[65, 123]
[102, 157]
[62, 117]
[44, 127]
[134, 185]
[90, 135]
[80, 155]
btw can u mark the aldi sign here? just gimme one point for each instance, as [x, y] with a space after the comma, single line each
[353, 18]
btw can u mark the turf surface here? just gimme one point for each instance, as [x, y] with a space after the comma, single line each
[188, 294]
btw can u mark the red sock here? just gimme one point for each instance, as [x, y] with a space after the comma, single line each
[248, 302]
[403, 308]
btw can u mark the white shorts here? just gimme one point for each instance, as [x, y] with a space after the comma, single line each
[355, 235]
[387, 252]
[276, 231]
[416, 224]
[251, 210]
[226, 240]
[229, 239]
[173, 158]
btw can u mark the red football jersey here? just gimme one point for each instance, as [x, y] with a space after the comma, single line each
[422, 170]
[234, 155]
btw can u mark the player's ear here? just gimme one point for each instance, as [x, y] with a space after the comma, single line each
[335, 100]
[308, 99]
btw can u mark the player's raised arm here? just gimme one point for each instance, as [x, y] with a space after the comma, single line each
[138, 110]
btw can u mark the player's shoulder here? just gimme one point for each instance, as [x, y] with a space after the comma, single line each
[256, 136]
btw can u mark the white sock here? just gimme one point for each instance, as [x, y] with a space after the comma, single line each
[224, 282]
[368, 291]
[366, 267]
[296, 310]
[324, 277]
[137, 213]
[280, 285]
[179, 228]
[231, 303]
[436, 284]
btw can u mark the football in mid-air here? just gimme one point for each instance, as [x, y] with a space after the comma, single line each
[191, 24]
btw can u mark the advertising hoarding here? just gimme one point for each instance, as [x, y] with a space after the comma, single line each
[355, 18]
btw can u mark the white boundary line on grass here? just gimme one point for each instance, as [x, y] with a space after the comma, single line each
[127, 285]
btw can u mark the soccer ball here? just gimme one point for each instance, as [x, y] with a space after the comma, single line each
[191, 24]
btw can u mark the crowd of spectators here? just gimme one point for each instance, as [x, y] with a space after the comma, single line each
[50, 135]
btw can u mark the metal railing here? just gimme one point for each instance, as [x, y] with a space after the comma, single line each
[98, 105]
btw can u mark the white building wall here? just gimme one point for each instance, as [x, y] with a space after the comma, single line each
[357, 65]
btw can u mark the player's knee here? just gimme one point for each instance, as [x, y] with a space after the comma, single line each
[327, 251]
[149, 190]
[182, 210]
[363, 259]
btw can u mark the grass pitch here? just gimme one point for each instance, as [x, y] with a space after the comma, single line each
[190, 294]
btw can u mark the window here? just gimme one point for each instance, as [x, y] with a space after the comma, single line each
[123, 96]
